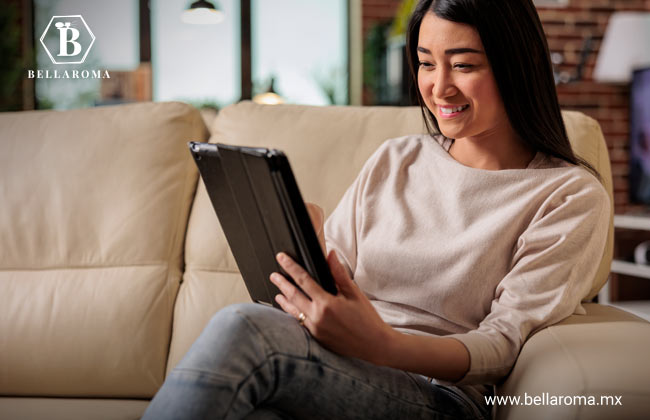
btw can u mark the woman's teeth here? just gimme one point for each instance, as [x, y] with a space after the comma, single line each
[452, 110]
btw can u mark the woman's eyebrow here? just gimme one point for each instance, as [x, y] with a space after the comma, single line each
[452, 51]
[462, 51]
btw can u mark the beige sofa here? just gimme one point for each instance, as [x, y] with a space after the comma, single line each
[112, 260]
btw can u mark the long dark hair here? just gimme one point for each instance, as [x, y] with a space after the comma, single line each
[516, 48]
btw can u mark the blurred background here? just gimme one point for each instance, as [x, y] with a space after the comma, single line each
[333, 52]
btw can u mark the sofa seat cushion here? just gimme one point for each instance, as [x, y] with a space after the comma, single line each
[71, 409]
[94, 211]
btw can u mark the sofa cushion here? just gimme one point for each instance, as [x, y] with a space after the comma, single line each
[94, 210]
[588, 142]
[327, 147]
[71, 408]
[565, 360]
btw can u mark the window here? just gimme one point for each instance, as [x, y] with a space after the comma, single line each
[198, 64]
[303, 45]
[116, 47]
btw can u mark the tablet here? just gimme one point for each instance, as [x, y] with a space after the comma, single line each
[261, 211]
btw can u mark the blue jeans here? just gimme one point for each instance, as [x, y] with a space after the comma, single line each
[256, 362]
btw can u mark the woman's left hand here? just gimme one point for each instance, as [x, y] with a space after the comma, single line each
[347, 323]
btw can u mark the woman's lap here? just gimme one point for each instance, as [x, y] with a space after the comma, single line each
[251, 356]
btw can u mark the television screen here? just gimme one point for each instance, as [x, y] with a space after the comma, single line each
[640, 137]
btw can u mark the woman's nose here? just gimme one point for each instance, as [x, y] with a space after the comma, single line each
[443, 86]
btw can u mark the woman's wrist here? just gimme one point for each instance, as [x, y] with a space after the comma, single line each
[387, 352]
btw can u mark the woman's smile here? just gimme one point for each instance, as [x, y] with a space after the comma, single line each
[451, 111]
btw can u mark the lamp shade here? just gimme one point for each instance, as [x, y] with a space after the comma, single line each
[625, 47]
[202, 12]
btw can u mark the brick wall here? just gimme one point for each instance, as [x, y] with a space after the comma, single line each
[566, 28]
[376, 11]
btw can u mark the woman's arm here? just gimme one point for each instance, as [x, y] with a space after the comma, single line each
[349, 325]
[439, 357]
[553, 267]
[435, 357]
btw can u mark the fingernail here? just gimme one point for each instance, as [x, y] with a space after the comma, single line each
[281, 256]
[274, 277]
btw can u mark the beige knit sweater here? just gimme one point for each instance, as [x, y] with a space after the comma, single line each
[485, 257]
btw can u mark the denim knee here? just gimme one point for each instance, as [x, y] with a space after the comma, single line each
[247, 309]
[242, 316]
[228, 332]
[275, 329]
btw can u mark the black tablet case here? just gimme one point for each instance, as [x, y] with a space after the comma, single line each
[261, 212]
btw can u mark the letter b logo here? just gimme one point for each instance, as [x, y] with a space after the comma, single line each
[65, 30]
[67, 39]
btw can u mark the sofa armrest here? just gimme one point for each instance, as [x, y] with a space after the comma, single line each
[603, 353]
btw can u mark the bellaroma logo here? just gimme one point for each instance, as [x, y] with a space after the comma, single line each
[67, 40]
[69, 31]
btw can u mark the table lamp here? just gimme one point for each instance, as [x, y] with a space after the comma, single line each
[624, 58]
[625, 47]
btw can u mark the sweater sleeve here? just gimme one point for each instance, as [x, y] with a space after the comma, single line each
[551, 272]
[341, 227]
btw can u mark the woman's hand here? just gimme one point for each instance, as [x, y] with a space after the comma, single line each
[349, 325]
[346, 323]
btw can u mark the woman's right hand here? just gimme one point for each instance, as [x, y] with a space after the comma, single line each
[317, 217]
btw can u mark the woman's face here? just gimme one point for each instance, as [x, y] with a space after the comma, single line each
[456, 81]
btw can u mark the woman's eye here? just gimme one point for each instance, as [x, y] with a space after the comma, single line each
[426, 66]
[463, 66]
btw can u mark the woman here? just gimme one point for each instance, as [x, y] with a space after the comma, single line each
[448, 250]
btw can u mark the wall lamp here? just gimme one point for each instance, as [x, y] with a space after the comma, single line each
[202, 12]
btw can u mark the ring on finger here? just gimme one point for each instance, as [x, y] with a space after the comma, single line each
[301, 318]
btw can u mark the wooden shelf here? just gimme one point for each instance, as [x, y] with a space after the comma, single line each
[627, 223]
[630, 269]
[632, 222]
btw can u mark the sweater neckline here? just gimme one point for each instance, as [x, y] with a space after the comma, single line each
[445, 143]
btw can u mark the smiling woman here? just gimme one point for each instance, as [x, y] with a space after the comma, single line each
[447, 250]
[512, 74]
[457, 84]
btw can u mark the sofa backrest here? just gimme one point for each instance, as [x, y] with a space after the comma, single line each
[588, 142]
[94, 208]
[327, 147]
